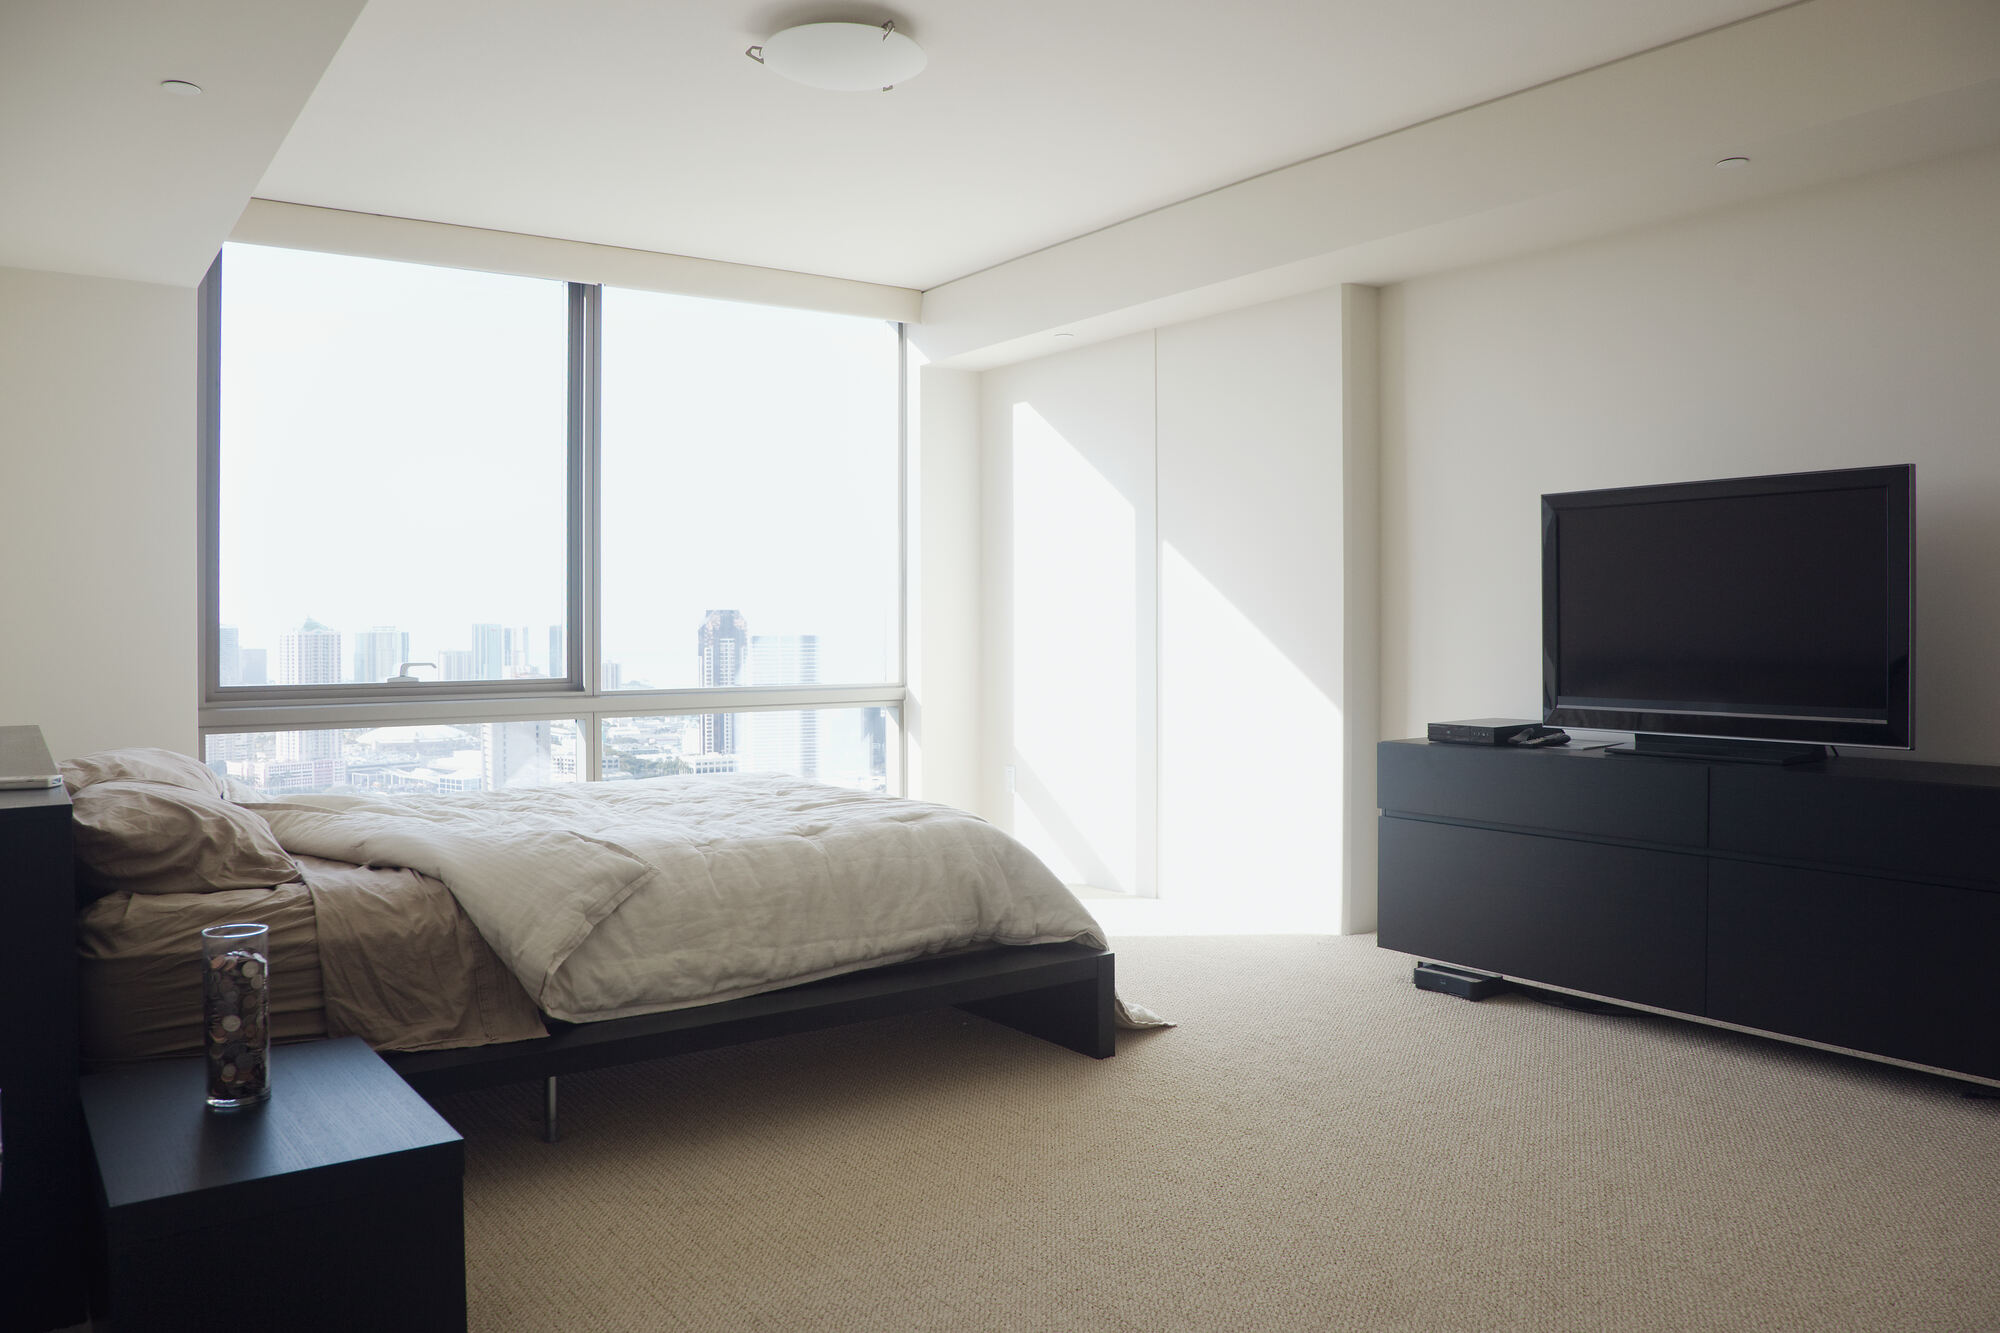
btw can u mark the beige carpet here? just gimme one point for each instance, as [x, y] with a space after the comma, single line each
[1318, 1146]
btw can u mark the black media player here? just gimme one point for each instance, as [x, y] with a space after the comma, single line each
[1480, 730]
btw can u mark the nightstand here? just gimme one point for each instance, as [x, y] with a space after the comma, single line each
[335, 1205]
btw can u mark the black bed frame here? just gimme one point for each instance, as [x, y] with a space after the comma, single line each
[1059, 992]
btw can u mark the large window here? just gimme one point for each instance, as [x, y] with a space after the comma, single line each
[393, 468]
[750, 528]
[441, 506]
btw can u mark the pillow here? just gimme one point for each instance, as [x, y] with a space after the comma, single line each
[142, 764]
[149, 837]
[242, 793]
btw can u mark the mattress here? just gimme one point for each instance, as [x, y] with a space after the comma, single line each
[381, 953]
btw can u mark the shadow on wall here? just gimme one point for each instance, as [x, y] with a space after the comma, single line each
[1123, 649]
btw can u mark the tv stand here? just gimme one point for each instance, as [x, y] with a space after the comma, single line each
[1713, 750]
[1852, 903]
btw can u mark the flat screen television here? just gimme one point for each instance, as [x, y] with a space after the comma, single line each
[1773, 609]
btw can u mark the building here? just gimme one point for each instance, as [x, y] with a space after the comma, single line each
[252, 668]
[517, 754]
[723, 644]
[515, 658]
[457, 664]
[308, 655]
[489, 653]
[228, 657]
[558, 663]
[379, 653]
[785, 741]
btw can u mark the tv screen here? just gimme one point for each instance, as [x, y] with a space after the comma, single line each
[1767, 608]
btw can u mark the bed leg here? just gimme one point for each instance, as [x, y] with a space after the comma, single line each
[1077, 1014]
[549, 1109]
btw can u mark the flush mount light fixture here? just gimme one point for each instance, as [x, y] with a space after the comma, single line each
[841, 57]
[180, 87]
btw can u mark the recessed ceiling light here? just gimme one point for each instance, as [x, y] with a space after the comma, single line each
[842, 57]
[180, 87]
[1733, 163]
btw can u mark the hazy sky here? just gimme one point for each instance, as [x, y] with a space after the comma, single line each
[393, 454]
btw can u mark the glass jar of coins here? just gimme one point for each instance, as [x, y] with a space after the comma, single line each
[235, 1005]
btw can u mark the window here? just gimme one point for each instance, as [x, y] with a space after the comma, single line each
[750, 510]
[441, 507]
[393, 473]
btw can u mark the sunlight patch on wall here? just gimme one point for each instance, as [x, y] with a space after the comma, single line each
[1075, 661]
[1250, 766]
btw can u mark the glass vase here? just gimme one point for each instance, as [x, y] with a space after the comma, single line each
[236, 1012]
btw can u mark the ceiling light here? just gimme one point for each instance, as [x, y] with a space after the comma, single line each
[841, 57]
[1733, 163]
[180, 87]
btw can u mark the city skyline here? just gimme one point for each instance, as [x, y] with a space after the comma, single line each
[494, 755]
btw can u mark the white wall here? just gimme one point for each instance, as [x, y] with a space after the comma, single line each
[1168, 615]
[1070, 609]
[942, 712]
[1850, 325]
[97, 506]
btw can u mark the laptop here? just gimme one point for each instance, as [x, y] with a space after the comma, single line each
[24, 761]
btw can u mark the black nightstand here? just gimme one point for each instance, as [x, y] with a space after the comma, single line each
[337, 1204]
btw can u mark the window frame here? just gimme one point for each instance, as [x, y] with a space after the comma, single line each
[579, 694]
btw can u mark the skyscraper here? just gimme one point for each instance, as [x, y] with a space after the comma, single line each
[253, 666]
[309, 655]
[517, 754]
[875, 739]
[487, 652]
[228, 656]
[558, 664]
[782, 742]
[457, 664]
[724, 644]
[784, 659]
[379, 653]
[514, 662]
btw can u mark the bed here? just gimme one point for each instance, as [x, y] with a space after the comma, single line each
[509, 936]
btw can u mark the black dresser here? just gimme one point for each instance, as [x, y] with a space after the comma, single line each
[41, 1126]
[1854, 902]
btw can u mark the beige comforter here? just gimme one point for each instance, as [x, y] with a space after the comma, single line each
[382, 954]
[607, 900]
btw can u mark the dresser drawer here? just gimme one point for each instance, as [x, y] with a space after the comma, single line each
[1829, 816]
[1623, 922]
[1871, 964]
[1586, 792]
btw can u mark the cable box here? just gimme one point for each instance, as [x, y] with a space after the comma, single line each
[1480, 730]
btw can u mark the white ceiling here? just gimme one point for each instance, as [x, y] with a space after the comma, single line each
[103, 173]
[641, 123]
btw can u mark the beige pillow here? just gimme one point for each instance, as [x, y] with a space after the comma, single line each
[142, 764]
[149, 837]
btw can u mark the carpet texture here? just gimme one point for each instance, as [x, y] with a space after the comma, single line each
[1317, 1146]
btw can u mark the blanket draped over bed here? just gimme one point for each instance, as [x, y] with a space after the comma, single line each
[613, 899]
